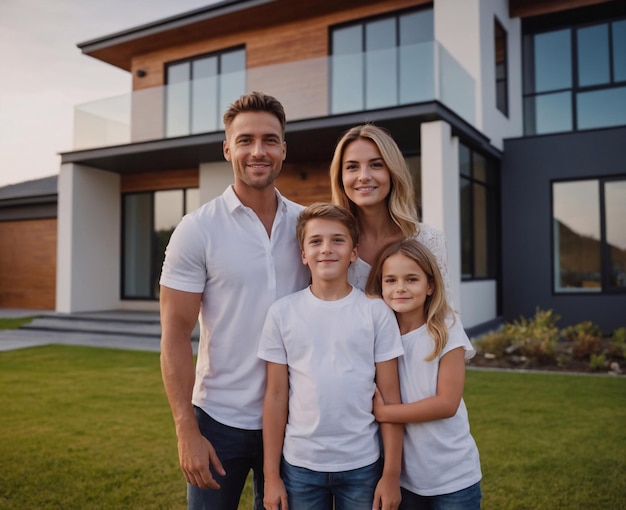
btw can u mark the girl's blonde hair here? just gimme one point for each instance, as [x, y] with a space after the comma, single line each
[401, 199]
[436, 308]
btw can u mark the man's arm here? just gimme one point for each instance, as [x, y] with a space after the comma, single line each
[387, 495]
[275, 410]
[179, 314]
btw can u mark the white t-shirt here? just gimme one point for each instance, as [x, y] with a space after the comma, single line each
[331, 348]
[429, 236]
[222, 250]
[439, 457]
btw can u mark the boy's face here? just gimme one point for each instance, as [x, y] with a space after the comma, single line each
[327, 249]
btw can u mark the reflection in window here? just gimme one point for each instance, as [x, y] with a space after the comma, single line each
[593, 56]
[383, 62]
[574, 78]
[199, 90]
[576, 217]
[589, 235]
[615, 220]
[149, 218]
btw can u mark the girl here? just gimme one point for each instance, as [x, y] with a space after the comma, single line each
[440, 465]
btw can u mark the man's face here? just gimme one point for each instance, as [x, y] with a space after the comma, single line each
[254, 145]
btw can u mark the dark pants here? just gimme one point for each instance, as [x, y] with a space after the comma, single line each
[465, 499]
[239, 451]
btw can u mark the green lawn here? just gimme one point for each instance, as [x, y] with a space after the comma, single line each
[85, 428]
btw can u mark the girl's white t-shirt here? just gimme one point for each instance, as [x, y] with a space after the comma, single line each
[439, 457]
[331, 348]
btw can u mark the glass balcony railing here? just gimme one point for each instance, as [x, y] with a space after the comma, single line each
[308, 89]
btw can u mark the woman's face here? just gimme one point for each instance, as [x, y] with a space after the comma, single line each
[365, 176]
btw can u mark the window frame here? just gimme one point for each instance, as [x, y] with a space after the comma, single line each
[573, 24]
[604, 252]
[492, 230]
[363, 22]
[190, 105]
[154, 271]
[504, 66]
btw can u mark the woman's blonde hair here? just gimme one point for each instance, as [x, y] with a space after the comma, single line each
[436, 308]
[401, 199]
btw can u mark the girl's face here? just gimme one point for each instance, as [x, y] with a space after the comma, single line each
[365, 176]
[405, 285]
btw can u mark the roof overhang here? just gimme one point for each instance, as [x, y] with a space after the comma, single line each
[119, 48]
[311, 140]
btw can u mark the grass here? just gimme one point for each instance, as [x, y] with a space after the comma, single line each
[84, 428]
[14, 323]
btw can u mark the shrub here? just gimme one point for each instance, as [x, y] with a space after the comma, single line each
[495, 343]
[535, 338]
[597, 361]
[617, 344]
[571, 333]
[586, 339]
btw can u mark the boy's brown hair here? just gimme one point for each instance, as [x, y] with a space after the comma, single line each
[256, 102]
[327, 211]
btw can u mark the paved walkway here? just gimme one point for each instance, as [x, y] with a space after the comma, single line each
[114, 329]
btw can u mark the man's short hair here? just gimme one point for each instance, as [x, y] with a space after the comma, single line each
[256, 102]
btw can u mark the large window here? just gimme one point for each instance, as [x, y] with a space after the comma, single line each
[199, 91]
[149, 218]
[589, 235]
[479, 215]
[575, 78]
[501, 62]
[382, 62]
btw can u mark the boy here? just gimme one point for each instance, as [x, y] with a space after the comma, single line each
[326, 348]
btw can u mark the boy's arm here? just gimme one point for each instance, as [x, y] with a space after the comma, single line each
[275, 409]
[387, 495]
[445, 404]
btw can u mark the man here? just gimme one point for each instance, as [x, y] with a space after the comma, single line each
[230, 260]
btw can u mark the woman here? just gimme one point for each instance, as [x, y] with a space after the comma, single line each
[370, 177]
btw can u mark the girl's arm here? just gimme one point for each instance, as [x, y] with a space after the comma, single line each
[275, 408]
[387, 494]
[450, 384]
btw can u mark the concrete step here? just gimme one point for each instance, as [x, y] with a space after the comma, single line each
[103, 326]
[120, 323]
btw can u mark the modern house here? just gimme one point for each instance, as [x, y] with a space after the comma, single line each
[511, 115]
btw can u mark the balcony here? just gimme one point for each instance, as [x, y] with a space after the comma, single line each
[308, 89]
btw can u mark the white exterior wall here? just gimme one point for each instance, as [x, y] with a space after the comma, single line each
[466, 29]
[214, 179]
[479, 302]
[440, 192]
[88, 246]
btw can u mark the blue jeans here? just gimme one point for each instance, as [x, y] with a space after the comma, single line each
[315, 490]
[465, 499]
[240, 451]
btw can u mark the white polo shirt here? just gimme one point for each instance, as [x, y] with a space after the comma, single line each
[222, 250]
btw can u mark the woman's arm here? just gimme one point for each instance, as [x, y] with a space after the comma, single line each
[450, 385]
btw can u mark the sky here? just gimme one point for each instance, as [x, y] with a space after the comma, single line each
[45, 75]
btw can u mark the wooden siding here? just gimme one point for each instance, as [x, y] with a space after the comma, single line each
[28, 255]
[153, 181]
[526, 8]
[300, 32]
[305, 184]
